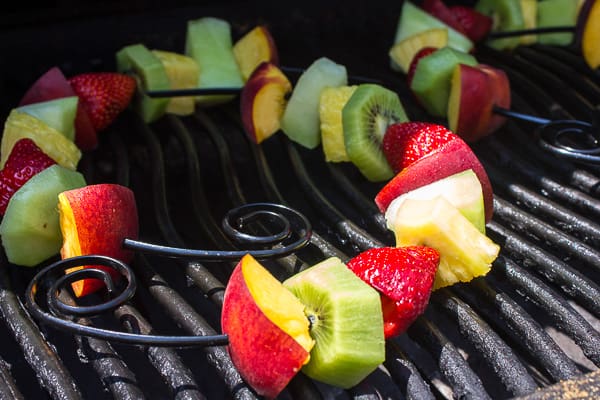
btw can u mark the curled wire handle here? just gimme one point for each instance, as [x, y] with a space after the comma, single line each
[572, 139]
[57, 307]
[233, 223]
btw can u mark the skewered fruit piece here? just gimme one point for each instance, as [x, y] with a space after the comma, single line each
[54, 85]
[588, 32]
[95, 219]
[462, 190]
[431, 81]
[30, 228]
[268, 331]
[475, 24]
[441, 11]
[403, 52]
[552, 13]
[465, 253]
[300, 121]
[208, 41]
[263, 101]
[58, 114]
[529, 10]
[137, 59]
[333, 100]
[414, 20]
[25, 160]
[345, 321]
[436, 162]
[404, 278]
[507, 16]
[474, 91]
[254, 48]
[365, 118]
[104, 95]
[20, 125]
[183, 73]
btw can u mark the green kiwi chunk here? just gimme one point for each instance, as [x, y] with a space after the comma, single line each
[365, 119]
[346, 323]
[149, 69]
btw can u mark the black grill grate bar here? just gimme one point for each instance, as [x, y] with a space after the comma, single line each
[572, 282]
[538, 178]
[165, 360]
[556, 307]
[108, 364]
[8, 386]
[506, 316]
[465, 383]
[406, 373]
[497, 353]
[549, 210]
[566, 245]
[39, 354]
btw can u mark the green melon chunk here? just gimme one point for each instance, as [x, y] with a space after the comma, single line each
[30, 229]
[431, 82]
[301, 120]
[208, 41]
[553, 13]
[507, 16]
[58, 114]
[149, 69]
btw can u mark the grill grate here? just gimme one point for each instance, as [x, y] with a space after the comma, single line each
[530, 323]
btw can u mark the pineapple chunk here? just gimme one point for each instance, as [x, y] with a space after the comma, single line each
[333, 100]
[183, 73]
[465, 253]
[403, 52]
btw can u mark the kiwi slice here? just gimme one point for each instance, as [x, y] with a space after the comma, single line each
[30, 227]
[365, 118]
[346, 323]
[138, 59]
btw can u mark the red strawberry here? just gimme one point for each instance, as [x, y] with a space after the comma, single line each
[104, 95]
[424, 52]
[475, 24]
[25, 160]
[403, 276]
[438, 9]
[407, 142]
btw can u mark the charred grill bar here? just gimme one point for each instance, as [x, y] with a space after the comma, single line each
[531, 323]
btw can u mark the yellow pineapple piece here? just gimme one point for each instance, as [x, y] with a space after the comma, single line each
[183, 73]
[333, 100]
[57, 146]
[403, 52]
[465, 253]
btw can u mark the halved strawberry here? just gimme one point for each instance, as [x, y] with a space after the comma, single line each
[104, 95]
[475, 24]
[424, 52]
[407, 142]
[403, 276]
[25, 160]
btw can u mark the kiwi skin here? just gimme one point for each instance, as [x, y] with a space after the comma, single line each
[366, 116]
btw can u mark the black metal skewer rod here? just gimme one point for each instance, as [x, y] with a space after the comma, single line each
[521, 116]
[530, 31]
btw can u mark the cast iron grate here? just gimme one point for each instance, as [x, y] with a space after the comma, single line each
[529, 324]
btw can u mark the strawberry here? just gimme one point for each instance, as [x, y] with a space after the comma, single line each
[25, 160]
[404, 278]
[104, 95]
[475, 24]
[407, 142]
[424, 52]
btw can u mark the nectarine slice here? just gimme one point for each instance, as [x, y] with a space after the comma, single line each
[268, 332]
[591, 36]
[95, 219]
[254, 48]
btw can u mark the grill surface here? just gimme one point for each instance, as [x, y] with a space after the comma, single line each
[529, 324]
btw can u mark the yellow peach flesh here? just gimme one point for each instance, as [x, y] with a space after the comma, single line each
[268, 109]
[253, 49]
[278, 304]
[71, 246]
[591, 37]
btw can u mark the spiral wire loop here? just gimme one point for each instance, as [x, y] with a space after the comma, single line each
[48, 282]
[575, 140]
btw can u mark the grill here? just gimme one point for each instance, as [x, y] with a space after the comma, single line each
[530, 328]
